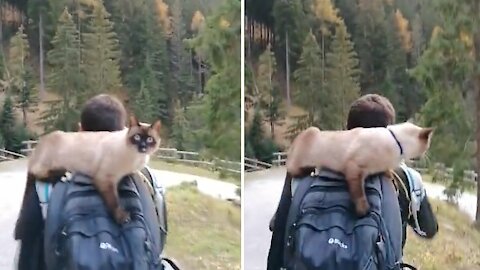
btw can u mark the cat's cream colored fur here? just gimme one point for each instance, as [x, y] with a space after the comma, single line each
[104, 156]
[357, 153]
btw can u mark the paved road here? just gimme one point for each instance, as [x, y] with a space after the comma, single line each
[12, 182]
[261, 195]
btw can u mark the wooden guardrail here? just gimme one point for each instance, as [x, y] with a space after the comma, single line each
[251, 165]
[173, 154]
[6, 155]
[440, 171]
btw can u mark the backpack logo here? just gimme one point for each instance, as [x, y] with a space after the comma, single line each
[335, 241]
[105, 245]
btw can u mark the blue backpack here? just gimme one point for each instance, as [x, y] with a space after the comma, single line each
[80, 233]
[323, 231]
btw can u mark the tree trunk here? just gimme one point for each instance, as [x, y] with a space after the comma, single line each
[477, 137]
[40, 38]
[24, 112]
[476, 86]
[289, 102]
[272, 128]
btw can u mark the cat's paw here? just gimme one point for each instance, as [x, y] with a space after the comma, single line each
[362, 207]
[122, 216]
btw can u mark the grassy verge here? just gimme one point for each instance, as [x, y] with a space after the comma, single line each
[204, 233]
[456, 246]
[182, 168]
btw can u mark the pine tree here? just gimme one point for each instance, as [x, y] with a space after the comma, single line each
[270, 98]
[220, 43]
[7, 123]
[418, 38]
[65, 77]
[197, 25]
[18, 56]
[183, 87]
[163, 18]
[180, 127]
[309, 93]
[20, 79]
[289, 18]
[342, 77]
[449, 72]
[371, 33]
[397, 85]
[325, 17]
[101, 53]
[156, 59]
[27, 96]
[198, 21]
[144, 105]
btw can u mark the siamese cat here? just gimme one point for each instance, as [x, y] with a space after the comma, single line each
[356, 153]
[104, 156]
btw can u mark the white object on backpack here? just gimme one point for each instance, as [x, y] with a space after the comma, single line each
[44, 190]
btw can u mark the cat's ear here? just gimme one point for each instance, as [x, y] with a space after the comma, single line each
[426, 133]
[134, 121]
[157, 125]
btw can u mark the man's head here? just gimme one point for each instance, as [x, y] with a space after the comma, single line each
[371, 110]
[103, 113]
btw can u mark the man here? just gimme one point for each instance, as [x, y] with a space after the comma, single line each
[368, 111]
[377, 111]
[100, 113]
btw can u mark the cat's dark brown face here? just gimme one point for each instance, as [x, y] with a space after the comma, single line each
[146, 139]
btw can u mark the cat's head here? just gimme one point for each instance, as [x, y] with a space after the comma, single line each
[414, 140]
[145, 138]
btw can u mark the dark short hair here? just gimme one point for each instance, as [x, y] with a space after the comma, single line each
[371, 110]
[103, 113]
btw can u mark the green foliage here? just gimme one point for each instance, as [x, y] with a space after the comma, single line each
[144, 106]
[310, 92]
[18, 56]
[11, 134]
[65, 78]
[19, 77]
[342, 78]
[27, 96]
[144, 53]
[179, 127]
[7, 123]
[257, 146]
[219, 43]
[289, 18]
[180, 61]
[270, 99]
[448, 70]
[101, 53]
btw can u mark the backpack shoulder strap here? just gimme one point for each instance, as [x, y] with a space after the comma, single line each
[153, 215]
[302, 188]
[53, 221]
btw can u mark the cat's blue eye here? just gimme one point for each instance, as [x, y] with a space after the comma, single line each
[136, 137]
[149, 140]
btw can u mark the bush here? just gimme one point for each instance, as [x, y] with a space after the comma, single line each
[20, 134]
